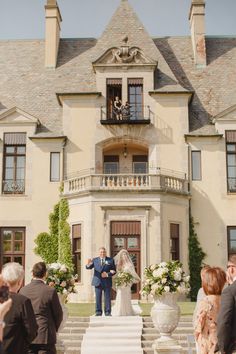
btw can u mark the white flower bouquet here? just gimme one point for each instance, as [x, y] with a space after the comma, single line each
[165, 277]
[61, 278]
[122, 279]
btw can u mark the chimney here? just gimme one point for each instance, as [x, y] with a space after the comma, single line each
[52, 33]
[197, 24]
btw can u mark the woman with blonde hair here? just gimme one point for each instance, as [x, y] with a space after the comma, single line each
[213, 281]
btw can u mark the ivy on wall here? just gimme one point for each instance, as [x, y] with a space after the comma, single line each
[196, 257]
[55, 246]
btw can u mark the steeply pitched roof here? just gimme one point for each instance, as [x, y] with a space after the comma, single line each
[27, 84]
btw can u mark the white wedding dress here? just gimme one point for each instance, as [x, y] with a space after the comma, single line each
[123, 304]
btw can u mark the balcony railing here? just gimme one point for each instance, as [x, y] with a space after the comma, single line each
[125, 182]
[134, 115]
[11, 186]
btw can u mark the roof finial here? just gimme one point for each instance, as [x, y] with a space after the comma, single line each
[125, 38]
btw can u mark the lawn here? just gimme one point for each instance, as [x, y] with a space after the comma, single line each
[87, 309]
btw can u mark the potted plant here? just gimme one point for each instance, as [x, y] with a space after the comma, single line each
[165, 281]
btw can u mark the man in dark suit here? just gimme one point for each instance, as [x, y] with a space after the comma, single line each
[21, 327]
[104, 269]
[226, 322]
[47, 310]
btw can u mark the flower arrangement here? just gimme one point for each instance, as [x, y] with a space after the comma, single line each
[61, 278]
[165, 277]
[122, 279]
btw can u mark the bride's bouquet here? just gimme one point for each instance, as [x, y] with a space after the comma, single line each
[123, 279]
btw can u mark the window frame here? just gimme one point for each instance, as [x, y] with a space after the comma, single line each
[133, 113]
[200, 165]
[12, 253]
[15, 155]
[174, 236]
[228, 238]
[59, 167]
[76, 251]
[228, 153]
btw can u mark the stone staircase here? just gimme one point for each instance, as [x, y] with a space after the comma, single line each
[70, 338]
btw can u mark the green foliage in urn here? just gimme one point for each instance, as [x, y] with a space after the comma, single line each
[64, 242]
[196, 257]
[47, 243]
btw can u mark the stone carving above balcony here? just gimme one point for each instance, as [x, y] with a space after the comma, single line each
[124, 55]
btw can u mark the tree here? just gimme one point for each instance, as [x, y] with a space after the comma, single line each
[64, 242]
[196, 257]
[47, 243]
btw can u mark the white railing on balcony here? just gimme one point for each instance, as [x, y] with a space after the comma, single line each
[112, 182]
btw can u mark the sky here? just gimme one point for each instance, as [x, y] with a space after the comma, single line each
[24, 19]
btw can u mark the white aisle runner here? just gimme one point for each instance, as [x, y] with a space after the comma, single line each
[113, 335]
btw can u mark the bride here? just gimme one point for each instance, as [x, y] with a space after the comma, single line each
[123, 305]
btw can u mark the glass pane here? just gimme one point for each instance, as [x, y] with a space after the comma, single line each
[18, 246]
[231, 172]
[111, 167]
[140, 167]
[119, 242]
[20, 174]
[196, 165]
[77, 244]
[7, 235]
[9, 173]
[132, 242]
[232, 240]
[55, 166]
[6, 246]
[19, 235]
[134, 258]
[231, 147]
[77, 261]
[10, 149]
[9, 161]
[18, 259]
[6, 259]
[20, 162]
[20, 149]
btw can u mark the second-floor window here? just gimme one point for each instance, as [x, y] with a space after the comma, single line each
[135, 98]
[55, 166]
[231, 159]
[196, 166]
[111, 164]
[14, 163]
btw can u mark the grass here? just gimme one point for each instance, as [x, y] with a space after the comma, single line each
[87, 309]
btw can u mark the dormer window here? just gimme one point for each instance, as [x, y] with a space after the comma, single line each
[135, 98]
[114, 89]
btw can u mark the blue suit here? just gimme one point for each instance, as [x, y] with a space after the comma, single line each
[102, 284]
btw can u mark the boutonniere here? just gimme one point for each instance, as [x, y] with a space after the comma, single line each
[106, 262]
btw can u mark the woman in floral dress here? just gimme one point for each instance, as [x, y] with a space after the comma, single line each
[213, 281]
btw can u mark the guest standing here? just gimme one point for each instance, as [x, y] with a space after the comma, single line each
[226, 323]
[213, 281]
[21, 327]
[47, 310]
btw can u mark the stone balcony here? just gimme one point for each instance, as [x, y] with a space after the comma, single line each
[159, 182]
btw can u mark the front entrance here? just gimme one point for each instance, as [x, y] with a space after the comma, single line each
[127, 234]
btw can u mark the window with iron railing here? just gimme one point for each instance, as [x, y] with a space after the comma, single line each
[14, 155]
[231, 160]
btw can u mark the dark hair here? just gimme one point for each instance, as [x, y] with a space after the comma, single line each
[39, 270]
[213, 280]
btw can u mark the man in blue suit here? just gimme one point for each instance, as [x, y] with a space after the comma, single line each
[104, 269]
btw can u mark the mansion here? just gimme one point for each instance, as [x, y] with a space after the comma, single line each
[141, 132]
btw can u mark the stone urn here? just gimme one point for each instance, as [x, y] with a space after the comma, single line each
[165, 315]
[62, 299]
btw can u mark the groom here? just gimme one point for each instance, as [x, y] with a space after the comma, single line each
[104, 269]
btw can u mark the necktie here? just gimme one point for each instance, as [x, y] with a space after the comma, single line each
[102, 261]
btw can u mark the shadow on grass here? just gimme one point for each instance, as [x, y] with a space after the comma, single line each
[88, 309]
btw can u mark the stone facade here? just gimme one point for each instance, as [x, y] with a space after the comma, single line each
[134, 170]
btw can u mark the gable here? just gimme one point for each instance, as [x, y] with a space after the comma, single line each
[16, 116]
[228, 114]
